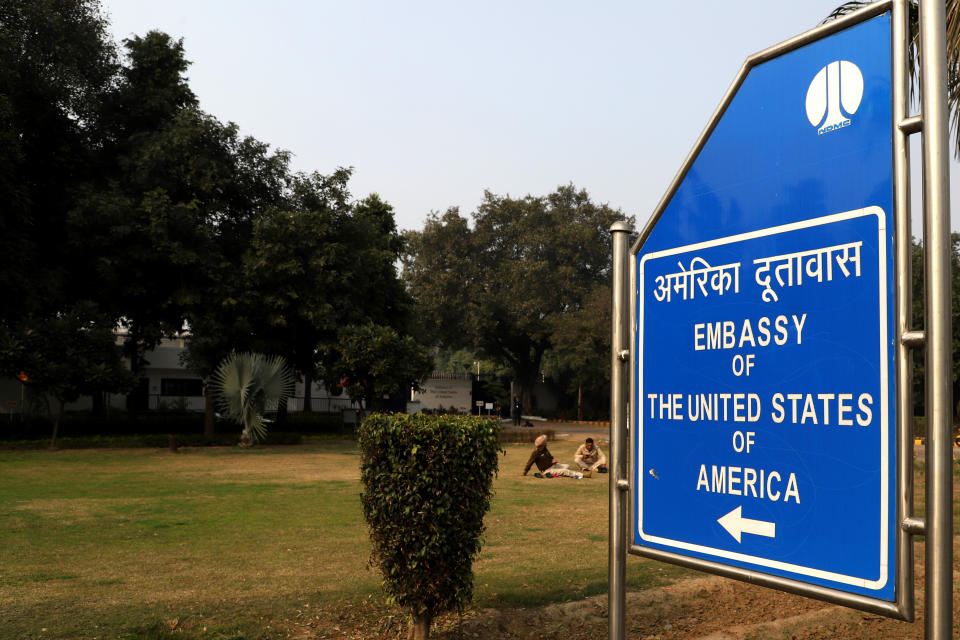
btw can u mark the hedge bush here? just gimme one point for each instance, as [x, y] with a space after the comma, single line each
[426, 487]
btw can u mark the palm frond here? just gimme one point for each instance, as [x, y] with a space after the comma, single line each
[276, 378]
[256, 428]
[913, 56]
[245, 382]
[844, 9]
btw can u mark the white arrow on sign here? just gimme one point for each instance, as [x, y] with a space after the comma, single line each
[736, 524]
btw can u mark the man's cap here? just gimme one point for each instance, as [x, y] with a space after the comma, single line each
[542, 439]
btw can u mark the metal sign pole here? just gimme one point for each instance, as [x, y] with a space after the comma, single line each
[619, 382]
[939, 399]
[908, 339]
[665, 536]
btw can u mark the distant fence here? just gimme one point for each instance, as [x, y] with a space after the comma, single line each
[180, 404]
[320, 405]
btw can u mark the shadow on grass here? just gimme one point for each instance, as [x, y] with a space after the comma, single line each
[544, 590]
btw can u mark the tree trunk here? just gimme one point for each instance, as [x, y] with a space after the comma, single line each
[956, 399]
[520, 394]
[307, 393]
[208, 417]
[419, 627]
[372, 399]
[99, 404]
[579, 402]
[56, 425]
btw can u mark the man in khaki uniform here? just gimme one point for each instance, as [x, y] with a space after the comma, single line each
[547, 464]
[589, 457]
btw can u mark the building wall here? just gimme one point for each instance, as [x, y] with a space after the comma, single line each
[10, 396]
[167, 384]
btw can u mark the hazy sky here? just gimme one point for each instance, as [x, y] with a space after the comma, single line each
[434, 102]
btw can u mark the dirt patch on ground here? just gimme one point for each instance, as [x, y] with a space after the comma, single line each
[701, 608]
[707, 608]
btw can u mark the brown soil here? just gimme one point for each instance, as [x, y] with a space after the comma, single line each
[700, 608]
[707, 608]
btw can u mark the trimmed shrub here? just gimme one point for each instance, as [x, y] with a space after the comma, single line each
[427, 483]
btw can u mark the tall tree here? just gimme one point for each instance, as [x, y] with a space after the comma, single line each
[176, 189]
[59, 70]
[120, 194]
[222, 314]
[501, 286]
[57, 67]
[295, 265]
[152, 91]
[437, 265]
[374, 361]
[321, 265]
[66, 355]
[581, 349]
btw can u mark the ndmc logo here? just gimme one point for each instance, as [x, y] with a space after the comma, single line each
[834, 95]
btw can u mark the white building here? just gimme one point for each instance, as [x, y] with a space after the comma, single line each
[166, 384]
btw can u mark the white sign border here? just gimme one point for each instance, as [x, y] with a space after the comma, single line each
[865, 583]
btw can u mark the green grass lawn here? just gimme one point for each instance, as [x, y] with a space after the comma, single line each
[243, 544]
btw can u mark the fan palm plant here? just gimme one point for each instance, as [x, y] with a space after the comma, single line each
[244, 383]
[913, 55]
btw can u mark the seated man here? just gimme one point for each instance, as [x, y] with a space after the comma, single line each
[547, 464]
[589, 457]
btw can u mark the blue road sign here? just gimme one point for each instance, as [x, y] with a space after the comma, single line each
[763, 404]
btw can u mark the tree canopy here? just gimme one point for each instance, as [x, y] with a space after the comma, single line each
[122, 198]
[373, 361]
[503, 285]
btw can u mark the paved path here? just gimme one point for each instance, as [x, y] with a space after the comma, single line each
[565, 430]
